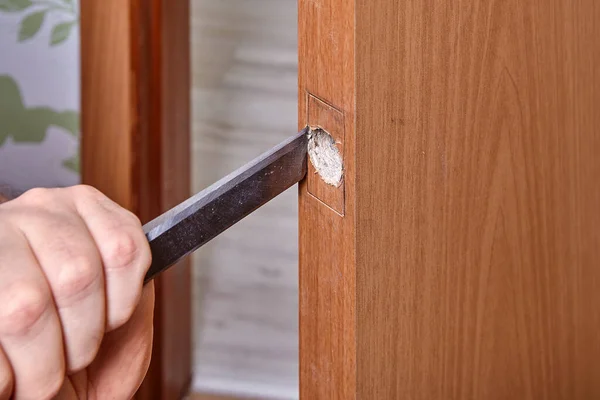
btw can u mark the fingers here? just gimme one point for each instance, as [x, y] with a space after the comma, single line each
[30, 332]
[125, 353]
[6, 377]
[124, 250]
[72, 266]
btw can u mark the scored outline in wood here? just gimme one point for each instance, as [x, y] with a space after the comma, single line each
[324, 116]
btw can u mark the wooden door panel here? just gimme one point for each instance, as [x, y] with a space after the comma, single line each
[466, 265]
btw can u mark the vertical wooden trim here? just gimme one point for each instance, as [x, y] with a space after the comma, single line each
[170, 113]
[107, 100]
[135, 145]
[466, 264]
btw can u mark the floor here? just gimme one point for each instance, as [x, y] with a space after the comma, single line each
[197, 396]
[244, 100]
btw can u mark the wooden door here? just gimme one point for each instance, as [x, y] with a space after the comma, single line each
[460, 258]
[135, 146]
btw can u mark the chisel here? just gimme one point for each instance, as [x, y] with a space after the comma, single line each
[191, 224]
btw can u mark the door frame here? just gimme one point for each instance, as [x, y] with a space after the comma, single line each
[135, 111]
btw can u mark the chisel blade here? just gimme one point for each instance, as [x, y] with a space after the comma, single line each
[191, 224]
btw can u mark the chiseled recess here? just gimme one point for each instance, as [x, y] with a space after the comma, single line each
[325, 157]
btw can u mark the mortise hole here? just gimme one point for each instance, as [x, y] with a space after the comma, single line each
[325, 157]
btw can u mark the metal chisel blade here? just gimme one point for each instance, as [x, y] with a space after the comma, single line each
[191, 224]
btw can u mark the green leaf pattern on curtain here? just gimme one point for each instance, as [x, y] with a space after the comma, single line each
[31, 25]
[14, 5]
[61, 32]
[29, 125]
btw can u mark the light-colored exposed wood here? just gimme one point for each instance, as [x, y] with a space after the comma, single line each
[135, 124]
[466, 266]
[323, 115]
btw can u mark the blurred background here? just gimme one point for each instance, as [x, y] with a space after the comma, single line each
[244, 101]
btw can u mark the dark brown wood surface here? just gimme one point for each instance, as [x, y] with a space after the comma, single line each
[135, 146]
[467, 265]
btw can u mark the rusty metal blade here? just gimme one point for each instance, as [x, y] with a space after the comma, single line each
[191, 224]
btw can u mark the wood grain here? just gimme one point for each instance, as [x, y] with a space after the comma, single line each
[327, 261]
[107, 99]
[135, 123]
[466, 266]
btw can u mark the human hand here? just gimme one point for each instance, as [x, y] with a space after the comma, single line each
[75, 322]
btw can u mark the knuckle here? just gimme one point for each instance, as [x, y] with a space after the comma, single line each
[86, 190]
[22, 306]
[135, 221]
[37, 196]
[123, 250]
[75, 277]
[92, 196]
